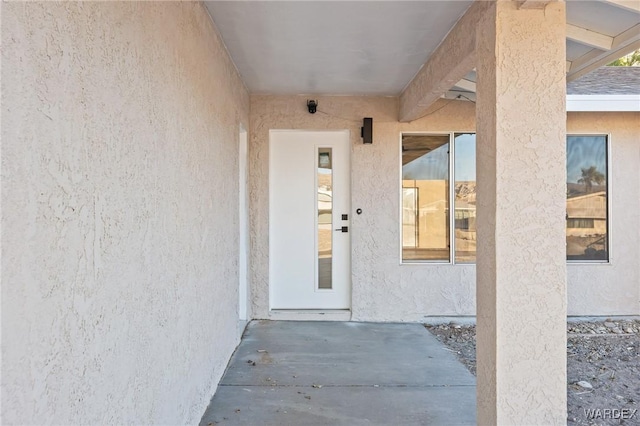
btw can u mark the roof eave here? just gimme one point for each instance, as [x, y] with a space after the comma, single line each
[603, 103]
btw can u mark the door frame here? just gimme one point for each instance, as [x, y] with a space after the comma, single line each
[243, 231]
[308, 313]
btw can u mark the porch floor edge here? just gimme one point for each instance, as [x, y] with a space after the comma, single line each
[310, 314]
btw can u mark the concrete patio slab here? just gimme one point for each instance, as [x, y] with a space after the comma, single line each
[342, 373]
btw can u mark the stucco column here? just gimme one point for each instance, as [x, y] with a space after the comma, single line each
[521, 266]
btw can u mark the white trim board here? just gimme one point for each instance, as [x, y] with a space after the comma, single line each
[603, 103]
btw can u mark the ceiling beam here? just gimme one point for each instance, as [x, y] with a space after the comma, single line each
[467, 85]
[455, 56]
[623, 44]
[589, 38]
[460, 95]
[447, 65]
[533, 4]
[633, 6]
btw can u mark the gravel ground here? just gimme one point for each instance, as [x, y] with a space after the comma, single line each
[603, 368]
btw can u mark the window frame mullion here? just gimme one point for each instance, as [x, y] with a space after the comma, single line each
[452, 205]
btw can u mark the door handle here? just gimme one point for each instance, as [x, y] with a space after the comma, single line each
[343, 229]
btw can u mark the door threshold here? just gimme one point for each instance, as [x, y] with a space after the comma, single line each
[310, 314]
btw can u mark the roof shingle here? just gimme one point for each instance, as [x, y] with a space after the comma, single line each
[607, 81]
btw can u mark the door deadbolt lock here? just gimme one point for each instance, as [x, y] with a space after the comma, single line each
[343, 229]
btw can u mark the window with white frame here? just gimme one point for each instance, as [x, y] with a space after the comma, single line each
[429, 163]
[431, 234]
[587, 198]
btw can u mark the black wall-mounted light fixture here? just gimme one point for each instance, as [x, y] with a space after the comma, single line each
[312, 105]
[366, 131]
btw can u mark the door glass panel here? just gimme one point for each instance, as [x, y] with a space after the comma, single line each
[425, 197]
[325, 218]
[465, 197]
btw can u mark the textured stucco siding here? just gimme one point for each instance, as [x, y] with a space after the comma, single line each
[120, 130]
[521, 202]
[382, 288]
[614, 288]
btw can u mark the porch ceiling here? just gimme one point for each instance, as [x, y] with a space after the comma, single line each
[377, 47]
[339, 47]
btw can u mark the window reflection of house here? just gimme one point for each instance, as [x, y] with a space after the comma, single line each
[409, 217]
[587, 226]
[427, 200]
[465, 217]
[425, 213]
[587, 198]
[587, 214]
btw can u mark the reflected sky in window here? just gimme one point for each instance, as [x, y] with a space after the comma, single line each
[432, 166]
[465, 157]
[584, 152]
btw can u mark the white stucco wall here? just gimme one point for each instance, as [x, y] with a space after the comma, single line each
[385, 290]
[120, 127]
[614, 288]
[521, 203]
[382, 289]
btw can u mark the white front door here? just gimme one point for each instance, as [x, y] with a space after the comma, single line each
[309, 216]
